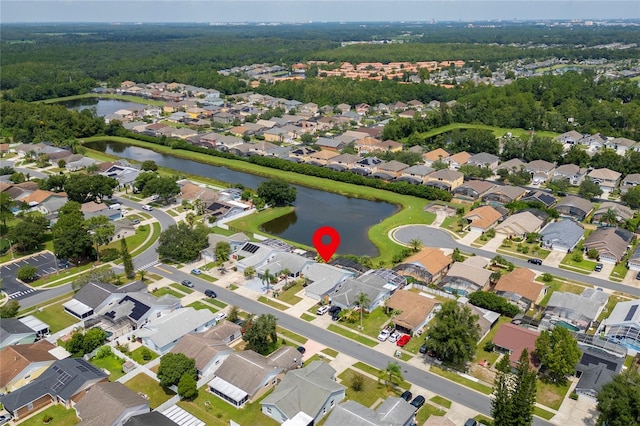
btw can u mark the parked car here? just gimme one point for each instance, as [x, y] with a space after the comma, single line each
[336, 314]
[535, 261]
[147, 207]
[210, 293]
[418, 402]
[220, 316]
[154, 197]
[322, 310]
[384, 335]
[638, 276]
[423, 349]
[4, 418]
[334, 308]
[187, 283]
[406, 395]
[394, 337]
[403, 340]
[196, 271]
[135, 221]
[598, 267]
[301, 349]
[471, 422]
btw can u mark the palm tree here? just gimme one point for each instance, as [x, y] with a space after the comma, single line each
[190, 218]
[609, 217]
[363, 300]
[350, 315]
[286, 272]
[394, 371]
[142, 274]
[266, 279]
[416, 244]
[198, 206]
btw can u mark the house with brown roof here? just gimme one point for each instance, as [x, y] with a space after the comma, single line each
[513, 339]
[456, 160]
[520, 289]
[472, 190]
[504, 194]
[368, 144]
[21, 364]
[322, 157]
[432, 156]
[464, 278]
[621, 211]
[427, 266]
[110, 404]
[391, 146]
[520, 224]
[607, 179]
[392, 168]
[611, 243]
[445, 179]
[511, 165]
[208, 352]
[574, 207]
[415, 310]
[482, 218]
[190, 191]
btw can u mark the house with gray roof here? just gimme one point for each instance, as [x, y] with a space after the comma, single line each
[463, 278]
[154, 418]
[245, 376]
[484, 159]
[416, 174]
[520, 224]
[252, 254]
[611, 243]
[621, 211]
[392, 412]
[574, 207]
[473, 189]
[596, 368]
[14, 332]
[573, 173]
[504, 194]
[312, 390]
[540, 196]
[541, 171]
[633, 262]
[330, 144]
[110, 404]
[65, 382]
[377, 288]
[513, 164]
[280, 261]
[620, 145]
[577, 310]
[623, 325]
[162, 334]
[629, 181]
[323, 279]
[562, 235]
[570, 137]
[606, 179]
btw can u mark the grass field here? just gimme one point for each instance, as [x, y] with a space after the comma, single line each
[291, 335]
[60, 417]
[307, 317]
[167, 290]
[111, 363]
[461, 380]
[137, 356]
[331, 352]
[372, 323]
[128, 98]
[372, 390]
[56, 317]
[289, 295]
[497, 131]
[145, 384]
[197, 305]
[353, 336]
[376, 373]
[272, 303]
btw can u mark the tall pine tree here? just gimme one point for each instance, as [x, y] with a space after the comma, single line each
[127, 261]
[501, 402]
[514, 393]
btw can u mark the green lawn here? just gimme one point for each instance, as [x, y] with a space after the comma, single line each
[111, 363]
[371, 392]
[133, 241]
[481, 354]
[201, 305]
[497, 131]
[291, 335]
[60, 417]
[353, 336]
[272, 303]
[372, 322]
[56, 317]
[331, 352]
[129, 98]
[523, 249]
[414, 344]
[308, 317]
[64, 273]
[375, 372]
[217, 303]
[145, 384]
[289, 295]
[426, 411]
[547, 415]
[438, 400]
[167, 290]
[30, 310]
[215, 412]
[585, 265]
[181, 288]
[551, 395]
[136, 355]
[461, 380]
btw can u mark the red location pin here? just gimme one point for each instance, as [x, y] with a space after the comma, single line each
[326, 250]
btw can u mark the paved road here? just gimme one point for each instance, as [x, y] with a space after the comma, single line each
[432, 237]
[45, 263]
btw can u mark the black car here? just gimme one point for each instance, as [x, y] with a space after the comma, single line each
[535, 261]
[598, 267]
[210, 293]
[638, 276]
[301, 349]
[471, 422]
[334, 308]
[423, 349]
[336, 314]
[418, 401]
[406, 395]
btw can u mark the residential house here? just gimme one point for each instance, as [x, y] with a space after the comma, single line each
[154, 418]
[65, 382]
[520, 289]
[378, 285]
[15, 332]
[571, 137]
[456, 160]
[520, 224]
[445, 179]
[91, 297]
[391, 146]
[607, 179]
[629, 181]
[225, 209]
[620, 145]
[393, 411]
[573, 173]
[574, 207]
[110, 404]
[593, 142]
[472, 190]
[486, 319]
[427, 266]
[311, 391]
[322, 158]
[251, 255]
[483, 159]
[323, 279]
[575, 311]
[482, 218]
[504, 194]
[302, 154]
[611, 243]
[562, 235]
[416, 174]
[432, 156]
[368, 144]
[208, 352]
[162, 334]
[622, 213]
[282, 261]
[344, 162]
[415, 310]
[513, 339]
[464, 278]
[190, 191]
[367, 165]
[245, 376]
[633, 263]
[390, 170]
[623, 325]
[512, 165]
[540, 196]
[597, 367]
[22, 364]
[79, 164]
[541, 171]
[330, 144]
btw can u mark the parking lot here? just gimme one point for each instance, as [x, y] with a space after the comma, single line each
[44, 262]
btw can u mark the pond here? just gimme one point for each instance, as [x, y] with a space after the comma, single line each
[351, 217]
[102, 107]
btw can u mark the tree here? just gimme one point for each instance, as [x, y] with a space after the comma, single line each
[149, 165]
[142, 179]
[127, 261]
[393, 371]
[164, 187]
[493, 302]
[9, 309]
[558, 353]
[6, 207]
[71, 239]
[83, 188]
[187, 387]
[190, 219]
[514, 393]
[260, 333]
[181, 243]
[222, 251]
[362, 302]
[29, 233]
[173, 367]
[415, 244]
[356, 382]
[632, 197]
[93, 339]
[501, 401]
[610, 217]
[266, 279]
[559, 185]
[454, 333]
[234, 314]
[277, 192]
[142, 273]
[27, 273]
[102, 231]
[249, 272]
[619, 400]
[589, 189]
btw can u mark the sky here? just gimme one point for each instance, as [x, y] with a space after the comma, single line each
[117, 11]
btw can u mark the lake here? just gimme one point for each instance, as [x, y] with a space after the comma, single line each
[351, 217]
[101, 107]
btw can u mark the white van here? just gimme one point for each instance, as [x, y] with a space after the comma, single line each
[115, 206]
[147, 207]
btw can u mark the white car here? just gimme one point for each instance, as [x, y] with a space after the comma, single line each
[322, 310]
[220, 316]
[147, 207]
[394, 337]
[154, 197]
[384, 335]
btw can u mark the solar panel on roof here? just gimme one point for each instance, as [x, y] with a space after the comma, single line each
[139, 308]
[631, 313]
[251, 248]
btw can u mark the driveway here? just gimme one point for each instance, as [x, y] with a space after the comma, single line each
[44, 262]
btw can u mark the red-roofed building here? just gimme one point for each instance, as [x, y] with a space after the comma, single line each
[514, 339]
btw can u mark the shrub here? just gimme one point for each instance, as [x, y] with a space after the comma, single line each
[146, 354]
[103, 352]
[357, 382]
[577, 256]
[547, 277]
